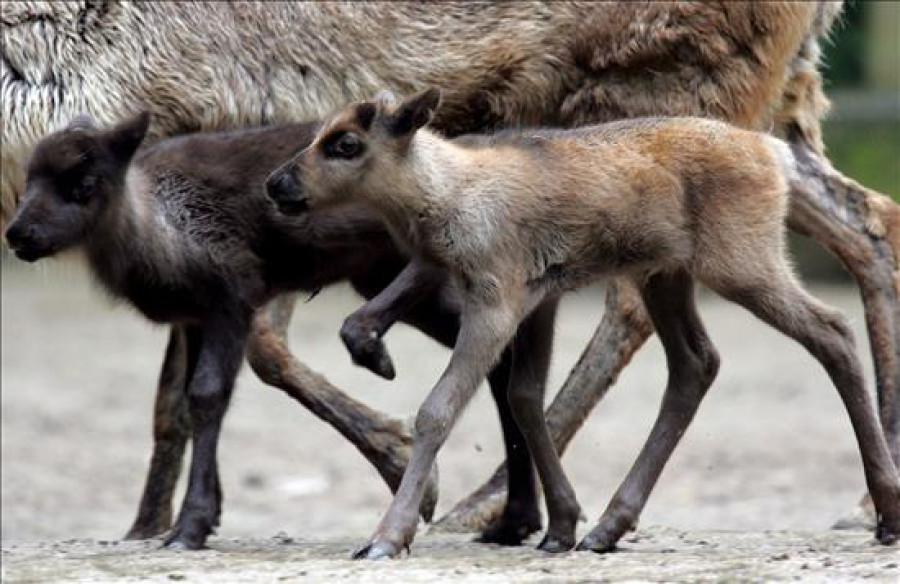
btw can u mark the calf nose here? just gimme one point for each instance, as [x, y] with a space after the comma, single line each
[19, 234]
[283, 188]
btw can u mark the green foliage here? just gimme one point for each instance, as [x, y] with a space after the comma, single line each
[843, 53]
[868, 152]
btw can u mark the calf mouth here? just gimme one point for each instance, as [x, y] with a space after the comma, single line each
[32, 253]
[293, 206]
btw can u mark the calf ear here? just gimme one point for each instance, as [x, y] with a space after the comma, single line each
[125, 138]
[414, 112]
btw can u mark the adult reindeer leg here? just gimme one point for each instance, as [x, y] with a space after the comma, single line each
[385, 442]
[862, 229]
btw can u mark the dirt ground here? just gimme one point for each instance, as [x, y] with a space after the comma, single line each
[767, 466]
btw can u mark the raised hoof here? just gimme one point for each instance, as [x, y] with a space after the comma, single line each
[885, 535]
[555, 545]
[368, 351]
[510, 532]
[377, 550]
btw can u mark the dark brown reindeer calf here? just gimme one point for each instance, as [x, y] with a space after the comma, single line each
[182, 230]
[523, 216]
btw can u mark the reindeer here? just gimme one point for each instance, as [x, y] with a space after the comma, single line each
[215, 66]
[518, 217]
[183, 232]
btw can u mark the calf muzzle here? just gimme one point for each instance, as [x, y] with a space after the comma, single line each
[285, 190]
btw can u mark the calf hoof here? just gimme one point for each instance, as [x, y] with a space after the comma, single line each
[377, 550]
[555, 544]
[368, 350]
[599, 542]
[146, 530]
[511, 529]
[190, 535]
[886, 535]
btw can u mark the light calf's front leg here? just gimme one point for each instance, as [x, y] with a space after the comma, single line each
[484, 331]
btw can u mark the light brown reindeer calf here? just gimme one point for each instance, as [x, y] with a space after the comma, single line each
[519, 217]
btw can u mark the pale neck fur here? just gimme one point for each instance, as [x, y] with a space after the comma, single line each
[428, 187]
[138, 228]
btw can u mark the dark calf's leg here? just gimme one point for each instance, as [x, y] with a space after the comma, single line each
[624, 329]
[780, 302]
[363, 330]
[384, 441]
[523, 365]
[171, 428]
[484, 332]
[221, 342]
[526, 399]
[693, 364]
[521, 516]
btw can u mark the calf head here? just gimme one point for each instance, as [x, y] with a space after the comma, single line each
[72, 178]
[361, 150]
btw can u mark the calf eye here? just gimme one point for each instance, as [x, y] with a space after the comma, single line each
[81, 192]
[347, 146]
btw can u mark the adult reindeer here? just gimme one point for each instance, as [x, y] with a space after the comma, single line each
[201, 66]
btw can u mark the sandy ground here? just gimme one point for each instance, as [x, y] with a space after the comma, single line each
[767, 466]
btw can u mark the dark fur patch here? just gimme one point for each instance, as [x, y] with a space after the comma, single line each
[365, 115]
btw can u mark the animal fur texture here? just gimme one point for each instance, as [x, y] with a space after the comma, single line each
[201, 66]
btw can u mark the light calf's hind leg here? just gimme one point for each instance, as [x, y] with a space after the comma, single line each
[693, 364]
[779, 300]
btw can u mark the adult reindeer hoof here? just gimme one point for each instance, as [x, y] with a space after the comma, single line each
[555, 544]
[367, 349]
[511, 530]
[479, 511]
[862, 516]
[377, 550]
